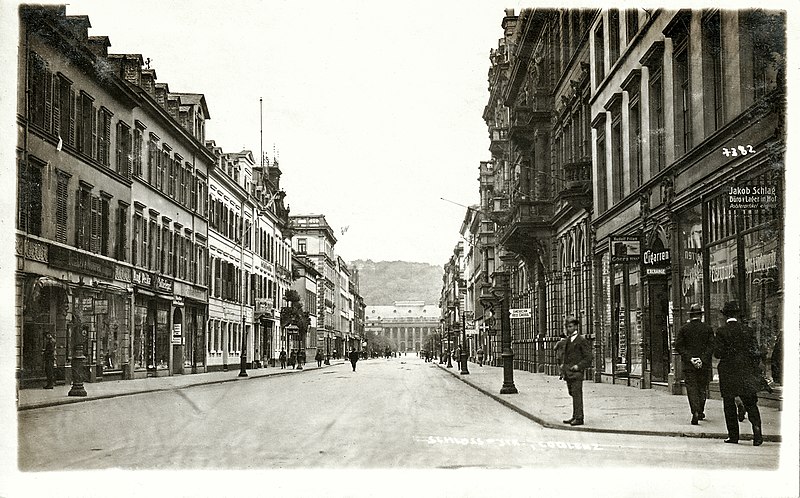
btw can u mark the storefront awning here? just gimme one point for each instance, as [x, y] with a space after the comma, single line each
[42, 282]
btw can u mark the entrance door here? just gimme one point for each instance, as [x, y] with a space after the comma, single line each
[178, 341]
[657, 326]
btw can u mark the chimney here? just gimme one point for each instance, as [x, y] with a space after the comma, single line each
[127, 67]
[79, 26]
[149, 81]
[99, 46]
[274, 175]
[162, 89]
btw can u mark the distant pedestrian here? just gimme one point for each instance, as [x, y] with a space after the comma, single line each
[301, 358]
[282, 358]
[577, 358]
[739, 374]
[293, 359]
[353, 358]
[49, 357]
[480, 356]
[695, 344]
[335, 354]
[319, 358]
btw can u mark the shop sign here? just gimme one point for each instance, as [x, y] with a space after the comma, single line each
[87, 305]
[101, 306]
[177, 334]
[520, 313]
[625, 249]
[164, 284]
[142, 278]
[122, 273]
[61, 257]
[723, 272]
[656, 262]
[264, 305]
[761, 262]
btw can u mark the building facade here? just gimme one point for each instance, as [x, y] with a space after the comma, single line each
[687, 106]
[306, 279]
[637, 168]
[410, 324]
[119, 269]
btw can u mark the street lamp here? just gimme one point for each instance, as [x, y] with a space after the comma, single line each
[449, 346]
[500, 293]
[463, 356]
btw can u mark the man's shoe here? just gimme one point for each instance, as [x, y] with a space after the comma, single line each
[701, 416]
[694, 420]
[576, 422]
[569, 421]
[758, 438]
[732, 441]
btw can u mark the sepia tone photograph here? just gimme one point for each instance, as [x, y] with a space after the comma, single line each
[322, 248]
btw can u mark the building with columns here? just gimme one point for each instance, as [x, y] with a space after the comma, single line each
[409, 323]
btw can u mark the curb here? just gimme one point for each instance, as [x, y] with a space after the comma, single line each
[73, 400]
[773, 438]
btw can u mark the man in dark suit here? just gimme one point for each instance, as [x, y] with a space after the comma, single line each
[695, 343]
[577, 358]
[737, 350]
[353, 357]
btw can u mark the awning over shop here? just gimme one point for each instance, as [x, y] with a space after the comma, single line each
[41, 282]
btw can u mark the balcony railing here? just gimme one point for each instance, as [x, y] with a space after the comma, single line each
[576, 189]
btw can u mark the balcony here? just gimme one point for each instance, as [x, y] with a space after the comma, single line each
[529, 220]
[526, 119]
[576, 189]
[499, 139]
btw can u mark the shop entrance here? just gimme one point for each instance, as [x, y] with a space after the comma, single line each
[658, 336]
[177, 341]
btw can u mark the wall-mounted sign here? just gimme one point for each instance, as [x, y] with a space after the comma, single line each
[520, 313]
[625, 249]
[656, 262]
[62, 257]
[177, 334]
[163, 284]
[142, 278]
[100, 306]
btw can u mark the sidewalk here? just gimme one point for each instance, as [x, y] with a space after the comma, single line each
[28, 399]
[610, 408]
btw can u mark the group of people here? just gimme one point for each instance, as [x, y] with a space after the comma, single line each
[296, 359]
[740, 378]
[733, 344]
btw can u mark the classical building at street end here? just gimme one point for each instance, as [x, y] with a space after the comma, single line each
[686, 107]
[637, 168]
[409, 323]
[111, 218]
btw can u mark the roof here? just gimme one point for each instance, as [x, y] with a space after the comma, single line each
[403, 309]
[195, 99]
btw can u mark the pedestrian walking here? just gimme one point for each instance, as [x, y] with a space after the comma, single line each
[319, 358]
[282, 358]
[739, 375]
[480, 356]
[293, 358]
[353, 358]
[695, 344]
[577, 358]
[49, 357]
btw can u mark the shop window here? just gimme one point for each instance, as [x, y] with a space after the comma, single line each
[691, 263]
[163, 338]
[29, 196]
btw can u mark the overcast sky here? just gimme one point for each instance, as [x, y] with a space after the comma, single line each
[375, 109]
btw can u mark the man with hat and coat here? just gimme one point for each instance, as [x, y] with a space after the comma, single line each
[737, 350]
[695, 344]
[577, 358]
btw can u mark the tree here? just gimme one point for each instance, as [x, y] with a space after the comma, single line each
[379, 343]
[294, 314]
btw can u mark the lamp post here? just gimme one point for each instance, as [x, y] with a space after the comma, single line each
[449, 334]
[499, 294]
[79, 333]
[463, 356]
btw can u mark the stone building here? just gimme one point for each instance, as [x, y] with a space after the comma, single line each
[111, 227]
[409, 323]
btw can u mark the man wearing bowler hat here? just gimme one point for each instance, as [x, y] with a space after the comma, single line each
[737, 350]
[695, 344]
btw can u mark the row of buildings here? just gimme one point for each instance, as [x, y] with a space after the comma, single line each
[170, 256]
[637, 168]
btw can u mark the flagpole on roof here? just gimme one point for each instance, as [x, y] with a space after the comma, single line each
[261, 127]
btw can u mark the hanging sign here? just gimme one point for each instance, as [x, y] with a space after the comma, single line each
[625, 249]
[177, 334]
[520, 313]
[656, 262]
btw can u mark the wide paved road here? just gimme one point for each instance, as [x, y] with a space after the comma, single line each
[390, 413]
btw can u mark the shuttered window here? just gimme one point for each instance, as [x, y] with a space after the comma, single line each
[137, 152]
[122, 232]
[62, 185]
[123, 151]
[29, 197]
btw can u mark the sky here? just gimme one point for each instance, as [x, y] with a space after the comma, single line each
[375, 109]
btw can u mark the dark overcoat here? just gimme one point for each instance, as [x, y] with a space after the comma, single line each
[577, 352]
[737, 349]
[695, 340]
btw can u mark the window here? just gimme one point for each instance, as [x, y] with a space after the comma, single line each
[613, 36]
[123, 155]
[712, 72]
[86, 124]
[657, 148]
[301, 246]
[137, 239]
[635, 141]
[62, 185]
[104, 223]
[64, 111]
[683, 117]
[164, 262]
[617, 168]
[83, 217]
[155, 246]
[103, 134]
[631, 23]
[40, 81]
[599, 55]
[122, 232]
[137, 152]
[29, 197]
[602, 183]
